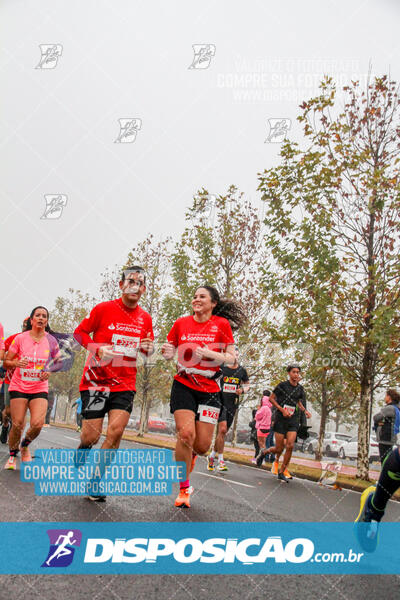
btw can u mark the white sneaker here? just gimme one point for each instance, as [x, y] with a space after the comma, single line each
[222, 466]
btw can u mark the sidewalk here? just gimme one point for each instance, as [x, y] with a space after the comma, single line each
[310, 462]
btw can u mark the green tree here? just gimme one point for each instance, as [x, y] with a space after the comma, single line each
[154, 374]
[222, 245]
[329, 392]
[333, 230]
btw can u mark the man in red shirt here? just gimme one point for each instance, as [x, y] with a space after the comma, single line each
[121, 329]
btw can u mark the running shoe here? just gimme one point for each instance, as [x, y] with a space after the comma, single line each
[183, 499]
[275, 467]
[210, 464]
[287, 474]
[194, 458]
[4, 433]
[94, 498]
[260, 458]
[254, 461]
[11, 464]
[281, 477]
[222, 466]
[367, 522]
[25, 454]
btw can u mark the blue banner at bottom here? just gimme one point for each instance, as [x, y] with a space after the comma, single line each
[199, 548]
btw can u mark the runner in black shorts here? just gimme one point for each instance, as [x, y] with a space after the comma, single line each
[204, 341]
[234, 382]
[288, 398]
[121, 329]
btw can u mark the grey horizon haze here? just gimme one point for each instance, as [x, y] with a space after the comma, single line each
[115, 113]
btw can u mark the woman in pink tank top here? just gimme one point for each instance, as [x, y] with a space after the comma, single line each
[30, 354]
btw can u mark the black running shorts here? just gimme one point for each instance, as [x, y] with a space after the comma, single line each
[17, 394]
[284, 425]
[206, 406]
[228, 413]
[96, 404]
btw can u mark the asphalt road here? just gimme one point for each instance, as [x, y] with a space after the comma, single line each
[242, 494]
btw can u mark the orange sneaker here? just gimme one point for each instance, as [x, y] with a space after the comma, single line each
[25, 454]
[183, 499]
[194, 458]
[11, 464]
[275, 467]
[287, 474]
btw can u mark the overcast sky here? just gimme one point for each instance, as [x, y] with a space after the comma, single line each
[196, 127]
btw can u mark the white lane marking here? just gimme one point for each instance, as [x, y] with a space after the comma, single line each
[71, 438]
[225, 479]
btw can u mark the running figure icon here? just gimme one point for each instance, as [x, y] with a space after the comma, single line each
[62, 549]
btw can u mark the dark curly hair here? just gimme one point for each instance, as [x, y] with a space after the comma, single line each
[229, 309]
[29, 322]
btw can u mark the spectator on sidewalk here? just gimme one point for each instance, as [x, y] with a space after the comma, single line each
[263, 425]
[253, 435]
[78, 404]
[386, 423]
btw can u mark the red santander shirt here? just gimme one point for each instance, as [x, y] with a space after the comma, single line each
[187, 335]
[113, 323]
[7, 344]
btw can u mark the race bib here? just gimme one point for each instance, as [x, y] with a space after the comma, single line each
[125, 344]
[290, 409]
[229, 388]
[208, 414]
[30, 374]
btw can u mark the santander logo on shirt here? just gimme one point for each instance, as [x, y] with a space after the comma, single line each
[130, 328]
[112, 326]
[200, 337]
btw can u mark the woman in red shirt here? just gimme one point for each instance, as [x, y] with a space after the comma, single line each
[204, 341]
[30, 355]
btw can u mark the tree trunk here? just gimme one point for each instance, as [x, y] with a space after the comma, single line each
[234, 428]
[146, 402]
[368, 364]
[365, 411]
[55, 407]
[324, 416]
[337, 420]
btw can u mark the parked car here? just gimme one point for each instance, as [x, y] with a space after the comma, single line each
[242, 436]
[331, 444]
[302, 445]
[349, 449]
[171, 429]
[155, 424]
